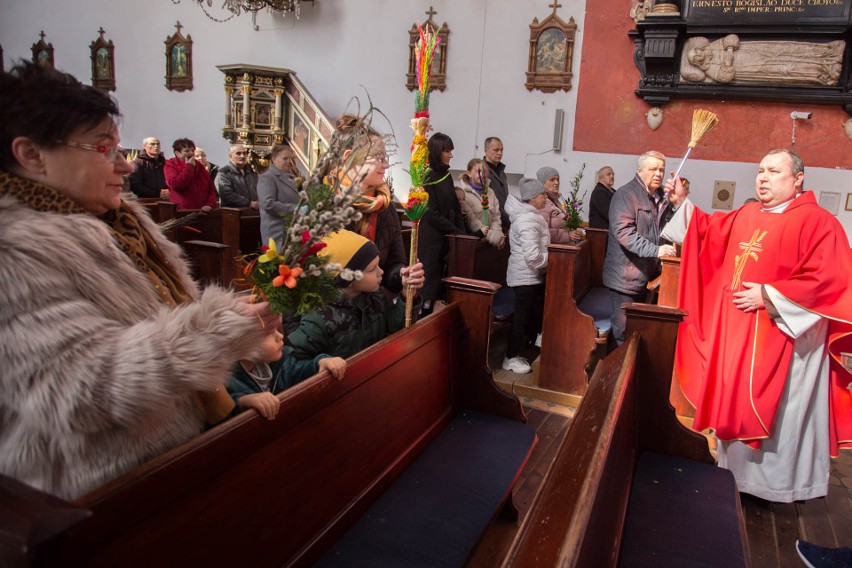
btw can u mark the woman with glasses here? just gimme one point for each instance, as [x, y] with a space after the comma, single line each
[110, 353]
[379, 221]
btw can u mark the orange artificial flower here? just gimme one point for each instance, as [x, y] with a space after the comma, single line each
[286, 276]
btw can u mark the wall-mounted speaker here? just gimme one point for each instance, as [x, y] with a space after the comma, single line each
[559, 119]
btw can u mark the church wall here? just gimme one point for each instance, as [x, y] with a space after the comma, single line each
[346, 48]
[610, 118]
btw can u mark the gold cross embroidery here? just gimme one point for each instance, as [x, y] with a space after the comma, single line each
[750, 250]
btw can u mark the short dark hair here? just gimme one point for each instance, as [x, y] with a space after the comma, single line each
[438, 143]
[182, 143]
[277, 149]
[46, 106]
[489, 140]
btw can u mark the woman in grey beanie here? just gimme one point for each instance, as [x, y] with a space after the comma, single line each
[552, 212]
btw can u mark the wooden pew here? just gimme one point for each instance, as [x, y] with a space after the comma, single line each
[472, 257]
[597, 243]
[257, 493]
[572, 330]
[624, 445]
[237, 228]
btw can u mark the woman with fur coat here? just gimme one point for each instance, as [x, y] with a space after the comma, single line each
[110, 353]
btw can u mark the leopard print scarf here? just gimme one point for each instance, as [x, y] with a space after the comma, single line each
[125, 227]
[135, 241]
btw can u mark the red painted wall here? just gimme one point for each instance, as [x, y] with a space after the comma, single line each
[611, 118]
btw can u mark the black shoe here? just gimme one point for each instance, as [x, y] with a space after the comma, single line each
[821, 557]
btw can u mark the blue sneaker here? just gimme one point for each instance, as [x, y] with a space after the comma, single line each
[821, 557]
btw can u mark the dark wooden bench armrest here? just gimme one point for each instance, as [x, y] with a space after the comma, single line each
[29, 517]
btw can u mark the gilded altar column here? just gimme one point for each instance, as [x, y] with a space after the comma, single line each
[279, 106]
[246, 105]
[228, 92]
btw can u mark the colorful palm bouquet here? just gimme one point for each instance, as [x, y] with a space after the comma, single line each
[484, 183]
[294, 278]
[417, 202]
[573, 205]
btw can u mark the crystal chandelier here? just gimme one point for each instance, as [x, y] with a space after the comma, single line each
[237, 7]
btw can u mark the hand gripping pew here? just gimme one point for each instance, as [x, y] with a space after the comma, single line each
[629, 485]
[410, 456]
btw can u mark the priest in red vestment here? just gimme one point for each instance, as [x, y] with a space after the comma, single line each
[768, 309]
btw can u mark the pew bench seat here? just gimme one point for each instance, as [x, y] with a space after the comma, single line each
[630, 486]
[682, 513]
[596, 303]
[436, 511]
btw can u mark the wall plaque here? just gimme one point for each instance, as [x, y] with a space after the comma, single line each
[766, 12]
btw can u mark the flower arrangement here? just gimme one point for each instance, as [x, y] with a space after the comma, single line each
[573, 205]
[295, 278]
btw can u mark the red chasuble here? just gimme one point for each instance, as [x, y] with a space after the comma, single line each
[732, 366]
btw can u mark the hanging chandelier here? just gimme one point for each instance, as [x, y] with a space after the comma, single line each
[237, 7]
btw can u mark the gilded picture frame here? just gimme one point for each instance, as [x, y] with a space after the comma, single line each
[179, 61]
[102, 54]
[300, 135]
[43, 52]
[849, 201]
[551, 55]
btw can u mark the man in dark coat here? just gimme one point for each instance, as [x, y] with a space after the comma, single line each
[633, 249]
[237, 181]
[497, 174]
[148, 179]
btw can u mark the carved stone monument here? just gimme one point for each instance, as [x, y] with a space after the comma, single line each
[729, 60]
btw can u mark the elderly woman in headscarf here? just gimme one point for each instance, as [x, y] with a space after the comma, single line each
[552, 212]
[110, 353]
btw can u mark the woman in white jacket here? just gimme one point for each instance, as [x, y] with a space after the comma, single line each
[528, 239]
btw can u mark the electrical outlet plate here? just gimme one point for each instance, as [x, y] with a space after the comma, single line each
[723, 194]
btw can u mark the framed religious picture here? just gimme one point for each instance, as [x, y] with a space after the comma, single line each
[300, 135]
[263, 115]
[438, 78]
[551, 53]
[43, 52]
[103, 63]
[830, 201]
[179, 61]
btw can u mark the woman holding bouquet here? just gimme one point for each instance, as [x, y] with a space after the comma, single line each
[110, 352]
[379, 221]
[480, 206]
[553, 212]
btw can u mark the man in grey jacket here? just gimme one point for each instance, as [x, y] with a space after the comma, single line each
[237, 182]
[633, 249]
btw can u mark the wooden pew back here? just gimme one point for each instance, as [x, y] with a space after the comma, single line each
[577, 517]
[254, 492]
[568, 335]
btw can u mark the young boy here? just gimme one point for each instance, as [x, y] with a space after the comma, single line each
[364, 314]
[255, 383]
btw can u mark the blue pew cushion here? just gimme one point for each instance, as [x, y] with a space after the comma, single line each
[436, 511]
[596, 303]
[682, 513]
